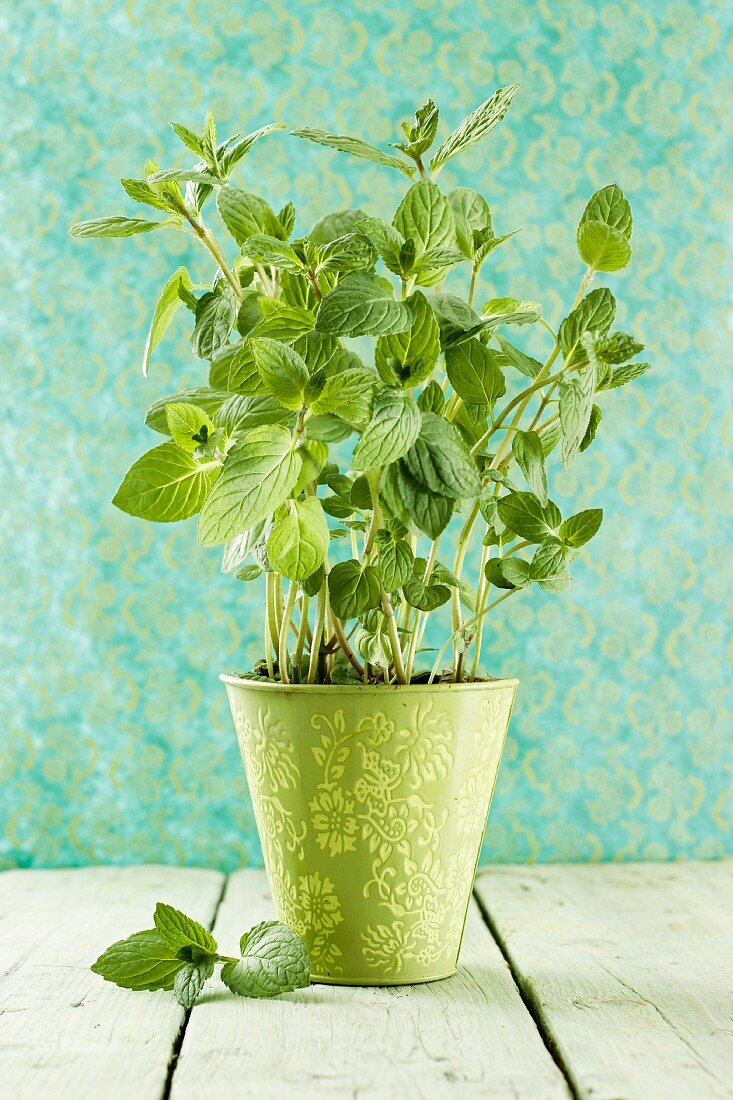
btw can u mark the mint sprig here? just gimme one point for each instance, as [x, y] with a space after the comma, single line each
[180, 954]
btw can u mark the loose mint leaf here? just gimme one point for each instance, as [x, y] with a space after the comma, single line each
[432, 399]
[189, 426]
[525, 364]
[190, 980]
[421, 134]
[362, 305]
[245, 215]
[168, 302]
[590, 431]
[347, 395]
[355, 146]
[471, 214]
[526, 516]
[595, 314]
[407, 358]
[394, 427]
[576, 403]
[216, 313]
[576, 530]
[299, 538]
[117, 227]
[270, 250]
[617, 347]
[257, 476]
[142, 961]
[165, 485]
[527, 450]
[394, 562]
[627, 373]
[282, 370]
[602, 247]
[610, 206]
[441, 461]
[425, 216]
[474, 373]
[274, 960]
[476, 126]
[178, 930]
[353, 589]
[209, 401]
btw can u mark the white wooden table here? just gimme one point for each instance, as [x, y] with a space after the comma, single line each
[612, 982]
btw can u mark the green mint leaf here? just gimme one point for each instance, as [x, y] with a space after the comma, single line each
[510, 311]
[234, 148]
[362, 305]
[525, 364]
[168, 302]
[142, 961]
[349, 396]
[189, 426]
[190, 981]
[440, 460]
[335, 225]
[627, 373]
[191, 140]
[474, 373]
[576, 530]
[611, 207]
[407, 358]
[576, 403]
[413, 504]
[595, 314]
[516, 572]
[602, 247]
[527, 450]
[526, 516]
[456, 320]
[475, 126]
[471, 214]
[432, 399]
[418, 594]
[421, 134]
[281, 369]
[144, 192]
[394, 427]
[274, 960]
[286, 217]
[183, 175]
[178, 930]
[549, 560]
[384, 239]
[353, 589]
[590, 431]
[425, 216]
[617, 347]
[117, 227]
[269, 250]
[556, 583]
[298, 541]
[485, 243]
[165, 485]
[355, 146]
[394, 562]
[209, 401]
[257, 476]
[246, 215]
[216, 313]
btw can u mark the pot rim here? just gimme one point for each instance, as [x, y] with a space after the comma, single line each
[402, 689]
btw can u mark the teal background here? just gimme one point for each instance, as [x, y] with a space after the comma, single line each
[118, 745]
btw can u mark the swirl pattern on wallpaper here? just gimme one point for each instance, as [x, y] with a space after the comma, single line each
[118, 743]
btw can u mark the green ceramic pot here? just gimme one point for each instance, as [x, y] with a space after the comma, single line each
[371, 804]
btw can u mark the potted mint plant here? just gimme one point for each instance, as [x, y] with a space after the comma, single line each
[365, 492]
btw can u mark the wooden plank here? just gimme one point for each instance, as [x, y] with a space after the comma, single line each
[629, 968]
[64, 1031]
[469, 1036]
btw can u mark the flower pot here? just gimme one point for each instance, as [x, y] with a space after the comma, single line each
[371, 804]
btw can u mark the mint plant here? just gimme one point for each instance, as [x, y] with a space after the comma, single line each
[334, 475]
[180, 954]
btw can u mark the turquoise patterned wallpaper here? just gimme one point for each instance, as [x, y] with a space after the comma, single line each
[118, 745]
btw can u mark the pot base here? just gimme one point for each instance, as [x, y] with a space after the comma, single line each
[320, 979]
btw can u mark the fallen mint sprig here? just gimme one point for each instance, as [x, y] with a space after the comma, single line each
[180, 954]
